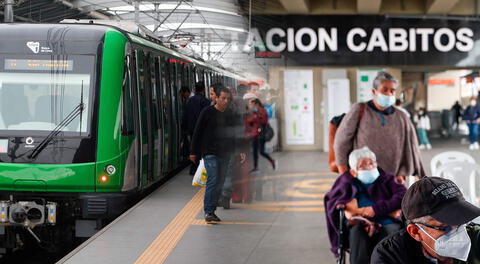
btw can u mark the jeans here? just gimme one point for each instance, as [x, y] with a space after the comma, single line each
[361, 245]
[228, 182]
[217, 170]
[422, 136]
[473, 132]
[258, 144]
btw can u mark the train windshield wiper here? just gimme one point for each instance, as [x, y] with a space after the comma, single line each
[65, 122]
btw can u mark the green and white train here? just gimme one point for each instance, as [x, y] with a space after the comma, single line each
[90, 116]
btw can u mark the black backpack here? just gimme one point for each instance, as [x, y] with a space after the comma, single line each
[267, 132]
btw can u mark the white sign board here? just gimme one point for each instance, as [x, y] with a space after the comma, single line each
[365, 84]
[299, 112]
[338, 97]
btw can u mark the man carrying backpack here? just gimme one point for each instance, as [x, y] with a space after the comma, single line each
[383, 129]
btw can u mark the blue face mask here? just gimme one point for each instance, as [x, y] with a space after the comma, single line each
[255, 109]
[367, 176]
[385, 100]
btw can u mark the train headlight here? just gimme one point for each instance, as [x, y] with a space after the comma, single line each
[19, 215]
[4, 211]
[51, 213]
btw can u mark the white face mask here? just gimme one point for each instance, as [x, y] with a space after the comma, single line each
[367, 176]
[454, 244]
[473, 103]
[385, 100]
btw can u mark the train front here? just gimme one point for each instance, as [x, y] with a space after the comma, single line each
[48, 124]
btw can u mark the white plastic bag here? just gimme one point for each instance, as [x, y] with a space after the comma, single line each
[200, 177]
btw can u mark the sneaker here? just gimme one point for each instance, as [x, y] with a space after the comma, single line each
[421, 147]
[471, 147]
[429, 146]
[275, 165]
[476, 146]
[209, 218]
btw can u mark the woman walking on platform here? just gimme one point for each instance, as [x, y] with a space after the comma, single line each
[256, 121]
[422, 121]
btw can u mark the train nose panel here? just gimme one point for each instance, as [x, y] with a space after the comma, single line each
[37, 185]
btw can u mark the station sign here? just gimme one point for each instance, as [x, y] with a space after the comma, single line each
[368, 40]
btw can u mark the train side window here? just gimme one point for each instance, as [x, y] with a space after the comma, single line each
[154, 89]
[128, 126]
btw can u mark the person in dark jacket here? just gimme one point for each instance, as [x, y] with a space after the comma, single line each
[215, 140]
[372, 200]
[457, 113]
[437, 230]
[472, 116]
[195, 105]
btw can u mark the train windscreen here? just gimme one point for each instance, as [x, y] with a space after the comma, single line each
[45, 93]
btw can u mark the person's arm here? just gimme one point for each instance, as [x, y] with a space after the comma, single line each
[384, 207]
[262, 116]
[410, 163]
[465, 113]
[251, 118]
[344, 137]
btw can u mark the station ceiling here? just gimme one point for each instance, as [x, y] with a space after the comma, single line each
[382, 7]
[219, 29]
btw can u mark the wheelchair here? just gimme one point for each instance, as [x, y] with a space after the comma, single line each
[342, 235]
[343, 244]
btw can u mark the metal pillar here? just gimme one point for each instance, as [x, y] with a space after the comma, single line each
[137, 11]
[8, 15]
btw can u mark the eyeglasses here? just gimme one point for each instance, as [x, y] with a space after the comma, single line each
[367, 166]
[445, 229]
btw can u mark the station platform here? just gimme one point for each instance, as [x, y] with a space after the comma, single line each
[286, 226]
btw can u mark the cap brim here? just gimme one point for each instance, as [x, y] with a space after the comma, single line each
[457, 213]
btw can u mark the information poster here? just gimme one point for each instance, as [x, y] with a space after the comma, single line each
[365, 84]
[299, 112]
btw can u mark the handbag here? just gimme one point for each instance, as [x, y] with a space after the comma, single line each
[200, 177]
[267, 132]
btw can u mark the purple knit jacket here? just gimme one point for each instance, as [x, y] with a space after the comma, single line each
[385, 192]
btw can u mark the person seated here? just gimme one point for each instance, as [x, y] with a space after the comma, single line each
[371, 198]
[437, 230]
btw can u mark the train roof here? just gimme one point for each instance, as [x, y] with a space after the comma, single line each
[92, 32]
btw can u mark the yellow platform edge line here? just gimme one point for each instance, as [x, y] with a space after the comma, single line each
[167, 240]
[202, 222]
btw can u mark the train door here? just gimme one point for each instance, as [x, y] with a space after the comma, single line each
[155, 119]
[144, 118]
[166, 115]
[184, 143]
[132, 173]
[174, 113]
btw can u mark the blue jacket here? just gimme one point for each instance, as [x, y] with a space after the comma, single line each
[472, 113]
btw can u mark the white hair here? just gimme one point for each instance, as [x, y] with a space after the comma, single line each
[359, 154]
[423, 219]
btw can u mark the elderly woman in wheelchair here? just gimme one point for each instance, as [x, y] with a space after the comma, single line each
[370, 199]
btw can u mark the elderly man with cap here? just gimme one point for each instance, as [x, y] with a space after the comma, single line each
[438, 228]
